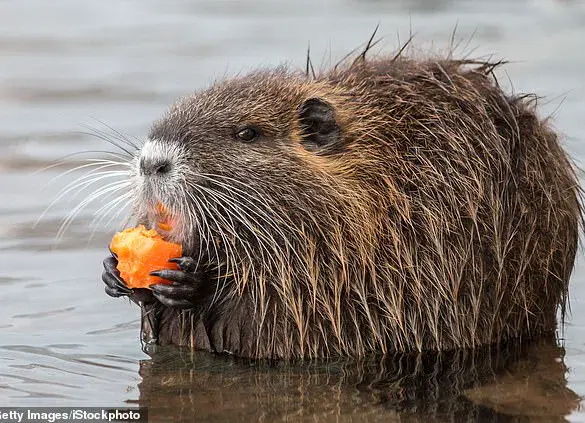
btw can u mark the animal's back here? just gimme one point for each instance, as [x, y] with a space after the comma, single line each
[483, 209]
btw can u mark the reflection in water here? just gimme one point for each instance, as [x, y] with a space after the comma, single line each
[514, 383]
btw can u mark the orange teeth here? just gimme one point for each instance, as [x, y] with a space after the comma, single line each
[161, 208]
[164, 226]
[164, 222]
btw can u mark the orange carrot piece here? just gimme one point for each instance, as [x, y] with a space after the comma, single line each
[140, 251]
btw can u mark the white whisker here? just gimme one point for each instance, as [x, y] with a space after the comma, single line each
[211, 239]
[84, 203]
[105, 209]
[119, 135]
[79, 184]
[102, 164]
[65, 159]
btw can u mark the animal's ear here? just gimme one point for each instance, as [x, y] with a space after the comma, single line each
[318, 125]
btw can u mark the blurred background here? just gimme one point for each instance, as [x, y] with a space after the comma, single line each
[118, 64]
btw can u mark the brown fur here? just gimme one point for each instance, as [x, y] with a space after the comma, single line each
[446, 215]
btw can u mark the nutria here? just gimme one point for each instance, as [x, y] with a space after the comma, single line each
[386, 204]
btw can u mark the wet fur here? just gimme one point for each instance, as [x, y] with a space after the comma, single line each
[446, 215]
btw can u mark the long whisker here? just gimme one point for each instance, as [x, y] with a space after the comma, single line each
[65, 159]
[116, 134]
[232, 229]
[246, 197]
[93, 132]
[115, 165]
[114, 186]
[84, 181]
[243, 218]
[94, 162]
[210, 240]
[120, 136]
[214, 176]
[105, 189]
[247, 202]
[104, 210]
[246, 247]
[242, 206]
[222, 233]
[202, 232]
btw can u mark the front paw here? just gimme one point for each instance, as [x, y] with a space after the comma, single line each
[116, 287]
[183, 291]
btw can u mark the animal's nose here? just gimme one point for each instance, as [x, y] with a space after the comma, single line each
[154, 166]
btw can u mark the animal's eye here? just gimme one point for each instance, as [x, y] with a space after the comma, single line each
[247, 134]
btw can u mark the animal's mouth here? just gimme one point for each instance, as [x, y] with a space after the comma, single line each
[160, 218]
[172, 227]
[163, 218]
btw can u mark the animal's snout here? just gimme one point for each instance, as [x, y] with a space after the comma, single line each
[156, 159]
[154, 166]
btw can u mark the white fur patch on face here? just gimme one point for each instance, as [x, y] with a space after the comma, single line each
[152, 149]
[156, 153]
[158, 169]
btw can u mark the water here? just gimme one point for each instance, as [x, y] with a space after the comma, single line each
[69, 64]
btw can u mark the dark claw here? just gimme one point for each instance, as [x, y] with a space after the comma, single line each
[186, 264]
[110, 265]
[115, 286]
[112, 292]
[175, 276]
[183, 292]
